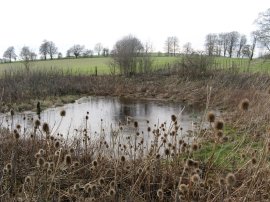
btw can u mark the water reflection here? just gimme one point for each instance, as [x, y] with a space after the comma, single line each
[103, 112]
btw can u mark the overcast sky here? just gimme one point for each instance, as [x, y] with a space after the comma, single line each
[87, 22]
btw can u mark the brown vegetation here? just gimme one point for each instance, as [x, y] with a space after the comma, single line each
[40, 165]
[228, 161]
[172, 84]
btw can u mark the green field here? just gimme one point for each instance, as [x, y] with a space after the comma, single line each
[80, 65]
[243, 64]
[88, 65]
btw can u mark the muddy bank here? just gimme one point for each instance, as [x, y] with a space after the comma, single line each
[226, 89]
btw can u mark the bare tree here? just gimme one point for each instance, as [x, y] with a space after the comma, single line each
[219, 45]
[233, 39]
[68, 54]
[75, 50]
[44, 49]
[146, 61]
[211, 44]
[52, 49]
[224, 40]
[25, 55]
[98, 48]
[59, 56]
[187, 48]
[242, 43]
[169, 45]
[33, 56]
[126, 54]
[175, 45]
[10, 53]
[263, 22]
[148, 47]
[254, 38]
[105, 52]
[88, 53]
[246, 51]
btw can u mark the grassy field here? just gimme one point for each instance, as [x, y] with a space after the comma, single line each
[243, 64]
[81, 65]
[87, 66]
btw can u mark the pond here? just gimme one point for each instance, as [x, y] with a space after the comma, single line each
[105, 113]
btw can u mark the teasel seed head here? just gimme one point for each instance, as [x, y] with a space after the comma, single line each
[95, 163]
[211, 117]
[112, 192]
[219, 124]
[101, 181]
[57, 144]
[46, 128]
[195, 178]
[62, 113]
[68, 159]
[40, 161]
[123, 158]
[160, 193]
[244, 104]
[230, 179]
[9, 166]
[173, 118]
[219, 133]
[28, 179]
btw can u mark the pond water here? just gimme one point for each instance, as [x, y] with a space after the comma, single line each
[104, 113]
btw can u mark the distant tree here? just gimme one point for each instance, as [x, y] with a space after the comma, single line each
[146, 61]
[169, 45]
[25, 55]
[148, 47]
[211, 45]
[126, 54]
[175, 44]
[52, 49]
[88, 53]
[159, 54]
[10, 53]
[219, 45]
[242, 43]
[246, 51]
[224, 40]
[68, 54]
[60, 55]
[105, 52]
[76, 50]
[44, 49]
[187, 48]
[233, 39]
[33, 56]
[98, 48]
[254, 38]
[263, 33]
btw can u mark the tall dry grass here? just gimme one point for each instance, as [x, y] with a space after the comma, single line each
[228, 161]
[223, 162]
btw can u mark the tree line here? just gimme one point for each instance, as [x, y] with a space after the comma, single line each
[231, 44]
[226, 44]
[48, 49]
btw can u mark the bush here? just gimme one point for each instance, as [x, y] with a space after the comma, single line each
[196, 64]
